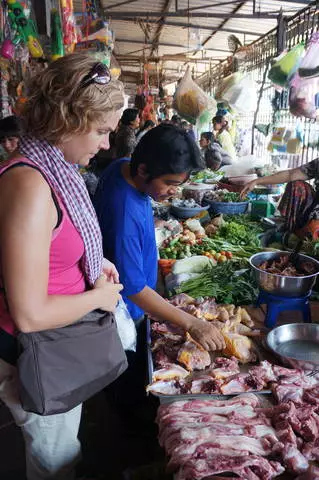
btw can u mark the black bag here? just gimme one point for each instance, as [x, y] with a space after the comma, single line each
[60, 368]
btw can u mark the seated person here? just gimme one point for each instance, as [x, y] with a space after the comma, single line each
[300, 202]
[10, 132]
[213, 154]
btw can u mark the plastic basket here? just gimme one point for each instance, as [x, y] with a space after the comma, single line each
[229, 208]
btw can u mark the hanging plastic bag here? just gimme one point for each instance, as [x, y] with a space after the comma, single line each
[125, 326]
[309, 66]
[242, 96]
[227, 84]
[191, 102]
[286, 65]
[303, 96]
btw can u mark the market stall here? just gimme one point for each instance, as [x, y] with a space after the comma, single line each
[251, 410]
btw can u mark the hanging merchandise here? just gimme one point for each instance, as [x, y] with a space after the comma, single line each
[286, 65]
[91, 9]
[7, 47]
[115, 68]
[68, 25]
[57, 47]
[242, 95]
[191, 102]
[309, 66]
[303, 96]
[194, 39]
[24, 28]
[226, 84]
[149, 112]
[5, 107]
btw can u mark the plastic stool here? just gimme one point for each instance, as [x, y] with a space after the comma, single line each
[277, 304]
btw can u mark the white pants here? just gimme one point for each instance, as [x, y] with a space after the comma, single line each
[52, 446]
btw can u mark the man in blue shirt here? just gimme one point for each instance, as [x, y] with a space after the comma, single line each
[162, 160]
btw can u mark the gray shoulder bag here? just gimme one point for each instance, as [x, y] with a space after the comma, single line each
[60, 368]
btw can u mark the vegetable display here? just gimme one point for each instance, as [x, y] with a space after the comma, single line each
[206, 174]
[224, 196]
[220, 240]
[226, 282]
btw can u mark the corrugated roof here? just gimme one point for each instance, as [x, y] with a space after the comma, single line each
[177, 44]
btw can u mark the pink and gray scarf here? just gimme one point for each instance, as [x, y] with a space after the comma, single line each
[68, 184]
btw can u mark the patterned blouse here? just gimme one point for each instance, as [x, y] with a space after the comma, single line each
[311, 169]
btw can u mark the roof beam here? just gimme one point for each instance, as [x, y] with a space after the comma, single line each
[157, 35]
[163, 44]
[193, 25]
[184, 13]
[223, 23]
[165, 58]
[121, 3]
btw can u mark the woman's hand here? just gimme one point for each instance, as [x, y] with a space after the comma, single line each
[110, 271]
[108, 293]
[206, 334]
[248, 188]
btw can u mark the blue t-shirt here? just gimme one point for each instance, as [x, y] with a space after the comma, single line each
[126, 220]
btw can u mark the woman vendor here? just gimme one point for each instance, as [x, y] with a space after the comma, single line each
[299, 203]
[212, 153]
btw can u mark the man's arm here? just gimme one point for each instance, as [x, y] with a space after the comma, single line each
[203, 332]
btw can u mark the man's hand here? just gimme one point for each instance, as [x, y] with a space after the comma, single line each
[110, 271]
[206, 334]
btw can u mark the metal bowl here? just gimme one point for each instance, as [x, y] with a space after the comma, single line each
[296, 344]
[279, 284]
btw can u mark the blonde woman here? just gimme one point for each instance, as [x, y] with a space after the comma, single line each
[51, 265]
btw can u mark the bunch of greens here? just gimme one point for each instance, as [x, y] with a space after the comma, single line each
[219, 244]
[232, 197]
[240, 233]
[206, 174]
[226, 282]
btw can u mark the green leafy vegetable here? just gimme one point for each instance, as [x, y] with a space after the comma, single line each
[226, 282]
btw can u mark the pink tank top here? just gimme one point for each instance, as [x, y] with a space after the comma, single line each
[66, 251]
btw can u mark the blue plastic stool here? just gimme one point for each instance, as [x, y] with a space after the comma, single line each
[276, 304]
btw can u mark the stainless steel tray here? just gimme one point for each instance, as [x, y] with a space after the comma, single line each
[191, 396]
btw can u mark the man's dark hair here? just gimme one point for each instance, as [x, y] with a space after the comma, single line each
[209, 136]
[166, 149]
[10, 127]
[218, 119]
[176, 120]
[128, 116]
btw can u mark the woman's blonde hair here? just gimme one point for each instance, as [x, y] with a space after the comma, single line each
[58, 106]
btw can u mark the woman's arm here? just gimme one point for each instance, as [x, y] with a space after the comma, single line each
[280, 177]
[27, 218]
[203, 332]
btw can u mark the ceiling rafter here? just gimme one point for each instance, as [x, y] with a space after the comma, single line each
[223, 23]
[126, 2]
[157, 35]
[118, 14]
[164, 44]
[193, 25]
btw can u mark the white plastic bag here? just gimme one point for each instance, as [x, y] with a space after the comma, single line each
[309, 66]
[302, 96]
[191, 102]
[242, 95]
[125, 326]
